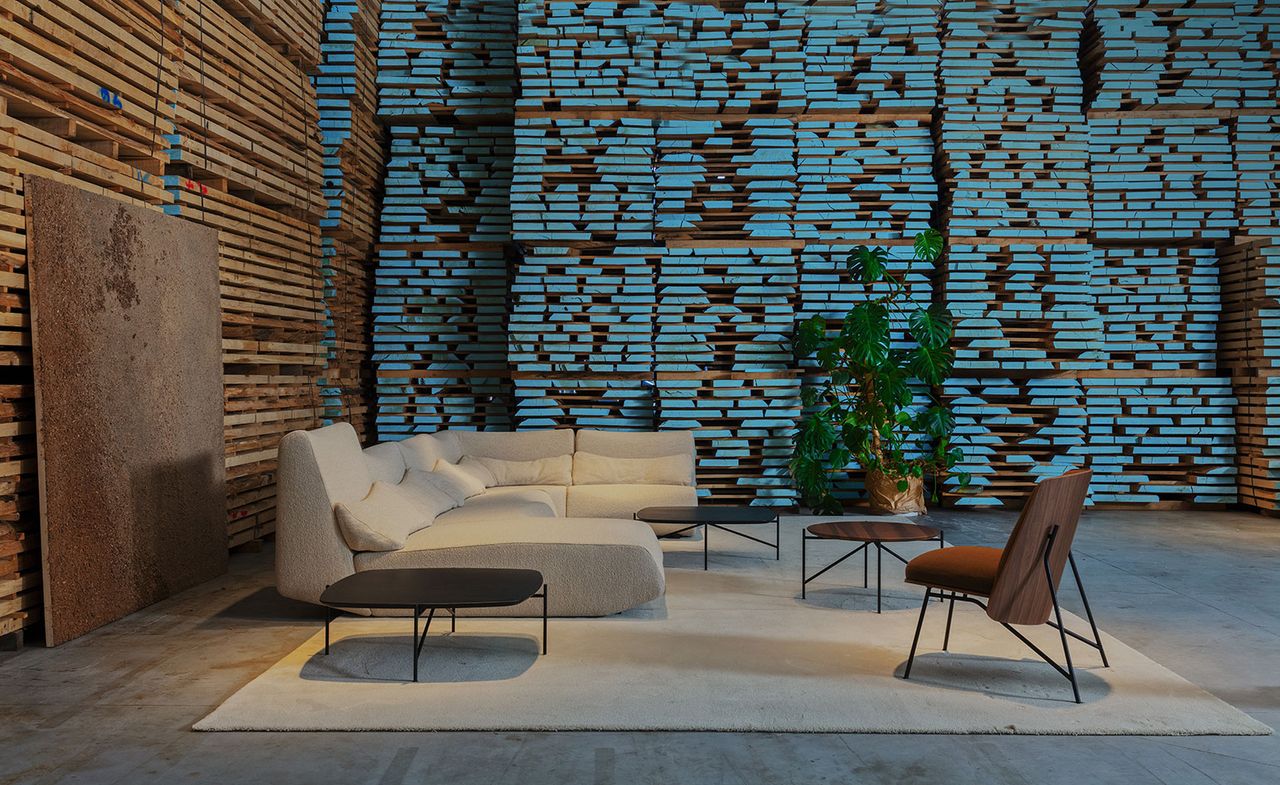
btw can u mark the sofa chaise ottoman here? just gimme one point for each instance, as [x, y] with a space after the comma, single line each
[558, 501]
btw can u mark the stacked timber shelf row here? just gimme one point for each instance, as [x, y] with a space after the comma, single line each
[246, 158]
[446, 86]
[79, 81]
[685, 179]
[353, 141]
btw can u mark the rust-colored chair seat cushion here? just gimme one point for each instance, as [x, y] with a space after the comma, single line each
[968, 569]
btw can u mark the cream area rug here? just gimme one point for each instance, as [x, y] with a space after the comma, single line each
[732, 649]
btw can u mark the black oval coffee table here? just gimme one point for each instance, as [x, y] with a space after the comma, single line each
[869, 532]
[433, 589]
[718, 517]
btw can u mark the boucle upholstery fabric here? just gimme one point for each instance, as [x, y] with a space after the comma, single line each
[317, 470]
[466, 479]
[385, 462]
[592, 567]
[592, 469]
[381, 521]
[624, 501]
[515, 446]
[556, 470]
[541, 493]
[430, 492]
[508, 505]
[423, 450]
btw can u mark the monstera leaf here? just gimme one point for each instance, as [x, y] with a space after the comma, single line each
[868, 265]
[931, 326]
[928, 245]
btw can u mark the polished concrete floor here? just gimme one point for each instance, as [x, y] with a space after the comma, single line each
[1198, 592]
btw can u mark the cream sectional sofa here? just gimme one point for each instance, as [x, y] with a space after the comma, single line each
[577, 527]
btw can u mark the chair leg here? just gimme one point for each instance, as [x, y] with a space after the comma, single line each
[906, 674]
[1088, 612]
[1057, 613]
[951, 609]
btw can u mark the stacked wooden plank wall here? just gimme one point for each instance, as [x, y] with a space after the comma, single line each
[446, 81]
[685, 178]
[202, 109]
[354, 157]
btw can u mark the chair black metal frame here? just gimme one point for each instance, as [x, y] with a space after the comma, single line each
[1069, 671]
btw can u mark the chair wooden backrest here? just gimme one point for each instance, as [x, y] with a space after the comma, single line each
[1020, 594]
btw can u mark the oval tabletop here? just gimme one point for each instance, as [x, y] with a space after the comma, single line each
[434, 587]
[872, 530]
[722, 514]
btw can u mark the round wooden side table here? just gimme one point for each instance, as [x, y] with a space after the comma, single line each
[869, 532]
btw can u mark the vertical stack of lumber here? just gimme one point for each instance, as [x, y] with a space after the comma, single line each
[245, 158]
[86, 92]
[353, 142]
[1013, 161]
[446, 88]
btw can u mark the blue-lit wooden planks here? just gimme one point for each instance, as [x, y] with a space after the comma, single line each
[1022, 175]
[863, 180]
[1023, 307]
[1165, 179]
[1157, 440]
[610, 403]
[447, 54]
[742, 427]
[1158, 308]
[725, 309]
[585, 310]
[583, 179]
[726, 179]
[1012, 434]
[1257, 159]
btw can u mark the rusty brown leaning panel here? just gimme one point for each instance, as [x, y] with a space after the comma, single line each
[128, 369]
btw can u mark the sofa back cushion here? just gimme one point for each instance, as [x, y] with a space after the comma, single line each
[340, 462]
[382, 520]
[592, 469]
[516, 445]
[423, 450]
[385, 462]
[633, 444]
[433, 493]
[554, 470]
[469, 478]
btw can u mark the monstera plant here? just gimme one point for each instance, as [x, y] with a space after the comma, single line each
[876, 403]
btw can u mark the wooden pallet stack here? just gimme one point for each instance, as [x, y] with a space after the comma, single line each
[856, 180]
[446, 87]
[352, 139]
[1025, 307]
[246, 158]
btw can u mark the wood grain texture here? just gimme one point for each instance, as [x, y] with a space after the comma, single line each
[128, 367]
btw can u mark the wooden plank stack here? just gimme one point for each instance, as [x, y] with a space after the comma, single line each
[246, 158]
[183, 107]
[353, 141]
[446, 87]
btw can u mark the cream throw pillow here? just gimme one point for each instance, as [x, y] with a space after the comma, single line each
[470, 480]
[556, 470]
[381, 521]
[433, 494]
[592, 469]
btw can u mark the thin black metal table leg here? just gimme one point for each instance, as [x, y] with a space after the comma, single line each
[328, 617]
[804, 567]
[416, 611]
[777, 538]
[453, 620]
[706, 540]
[866, 566]
[879, 548]
[544, 618]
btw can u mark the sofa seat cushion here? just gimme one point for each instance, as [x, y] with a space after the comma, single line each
[510, 504]
[624, 501]
[593, 567]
